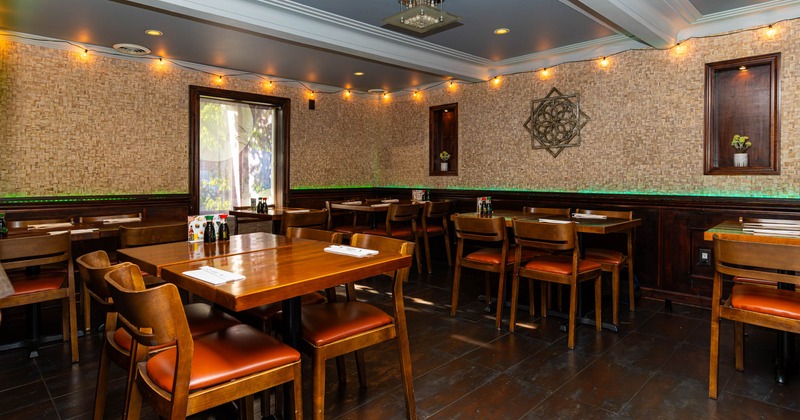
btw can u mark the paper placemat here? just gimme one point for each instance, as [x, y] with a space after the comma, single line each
[351, 251]
[74, 231]
[122, 220]
[390, 200]
[351, 203]
[213, 275]
[381, 205]
[589, 216]
[297, 211]
[560, 222]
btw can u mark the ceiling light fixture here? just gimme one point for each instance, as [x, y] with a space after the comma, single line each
[358, 73]
[501, 31]
[154, 32]
[421, 16]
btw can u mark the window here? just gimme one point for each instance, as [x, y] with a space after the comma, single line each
[238, 149]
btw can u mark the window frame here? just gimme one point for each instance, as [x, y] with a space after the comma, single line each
[281, 154]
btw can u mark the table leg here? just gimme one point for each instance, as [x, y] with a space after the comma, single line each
[292, 334]
[784, 362]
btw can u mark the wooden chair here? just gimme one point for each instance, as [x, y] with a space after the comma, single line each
[613, 261]
[197, 373]
[315, 219]
[243, 220]
[347, 230]
[130, 237]
[546, 210]
[435, 223]
[336, 328]
[95, 219]
[483, 231]
[567, 269]
[117, 342]
[401, 223]
[40, 269]
[753, 304]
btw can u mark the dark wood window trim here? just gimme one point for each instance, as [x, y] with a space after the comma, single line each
[743, 97]
[443, 135]
[281, 154]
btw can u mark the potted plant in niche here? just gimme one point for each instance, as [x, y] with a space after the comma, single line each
[444, 156]
[741, 144]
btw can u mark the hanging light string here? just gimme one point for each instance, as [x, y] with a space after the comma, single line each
[349, 92]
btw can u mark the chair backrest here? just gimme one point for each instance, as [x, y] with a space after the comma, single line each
[437, 209]
[317, 219]
[93, 219]
[93, 268]
[402, 212]
[22, 224]
[612, 214]
[747, 259]
[486, 229]
[315, 234]
[36, 250]
[150, 235]
[546, 236]
[152, 316]
[546, 210]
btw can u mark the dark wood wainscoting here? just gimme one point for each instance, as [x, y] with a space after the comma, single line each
[668, 243]
[152, 207]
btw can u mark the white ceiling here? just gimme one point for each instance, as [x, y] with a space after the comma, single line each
[324, 42]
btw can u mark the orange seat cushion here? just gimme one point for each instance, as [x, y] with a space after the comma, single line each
[560, 264]
[328, 322]
[350, 229]
[266, 312]
[431, 229]
[202, 319]
[785, 303]
[492, 255]
[605, 256]
[222, 356]
[397, 232]
[38, 282]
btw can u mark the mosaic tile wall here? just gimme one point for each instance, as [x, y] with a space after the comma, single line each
[75, 126]
[645, 134]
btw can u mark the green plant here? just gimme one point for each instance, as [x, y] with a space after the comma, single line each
[740, 143]
[444, 156]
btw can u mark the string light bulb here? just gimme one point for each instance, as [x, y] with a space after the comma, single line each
[385, 95]
[161, 61]
[219, 79]
[311, 94]
[347, 92]
[771, 31]
[416, 93]
[604, 62]
[496, 80]
[680, 48]
[85, 53]
[544, 72]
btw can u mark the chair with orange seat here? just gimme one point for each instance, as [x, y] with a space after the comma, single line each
[491, 259]
[566, 268]
[202, 319]
[348, 229]
[753, 304]
[401, 223]
[334, 329]
[195, 373]
[613, 261]
[550, 211]
[434, 222]
[40, 270]
[315, 219]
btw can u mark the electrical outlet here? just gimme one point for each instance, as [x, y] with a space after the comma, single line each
[704, 256]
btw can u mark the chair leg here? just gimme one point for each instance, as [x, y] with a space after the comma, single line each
[341, 370]
[73, 326]
[447, 247]
[512, 318]
[361, 368]
[531, 306]
[318, 367]
[86, 304]
[456, 284]
[297, 391]
[501, 296]
[427, 251]
[615, 294]
[713, 364]
[545, 290]
[246, 408]
[738, 344]
[418, 254]
[598, 302]
[488, 282]
[573, 309]
[102, 383]
[405, 365]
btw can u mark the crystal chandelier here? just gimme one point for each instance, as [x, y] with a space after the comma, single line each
[421, 16]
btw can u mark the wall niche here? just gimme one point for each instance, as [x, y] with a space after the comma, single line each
[443, 132]
[743, 97]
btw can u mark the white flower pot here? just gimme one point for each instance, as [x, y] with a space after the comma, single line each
[740, 160]
[443, 166]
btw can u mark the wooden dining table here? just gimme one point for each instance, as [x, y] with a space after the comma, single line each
[371, 207]
[274, 214]
[734, 230]
[98, 229]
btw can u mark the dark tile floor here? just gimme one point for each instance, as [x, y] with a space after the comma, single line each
[656, 366]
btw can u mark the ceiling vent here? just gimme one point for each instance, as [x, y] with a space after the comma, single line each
[132, 49]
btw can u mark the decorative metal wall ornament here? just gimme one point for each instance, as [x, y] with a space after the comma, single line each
[556, 121]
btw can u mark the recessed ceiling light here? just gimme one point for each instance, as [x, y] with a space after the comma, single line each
[358, 73]
[132, 49]
[501, 31]
[154, 32]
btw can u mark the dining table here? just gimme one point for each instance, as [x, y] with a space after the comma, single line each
[81, 231]
[273, 214]
[371, 207]
[584, 225]
[737, 230]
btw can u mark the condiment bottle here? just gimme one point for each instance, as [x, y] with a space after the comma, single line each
[224, 231]
[3, 227]
[209, 235]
